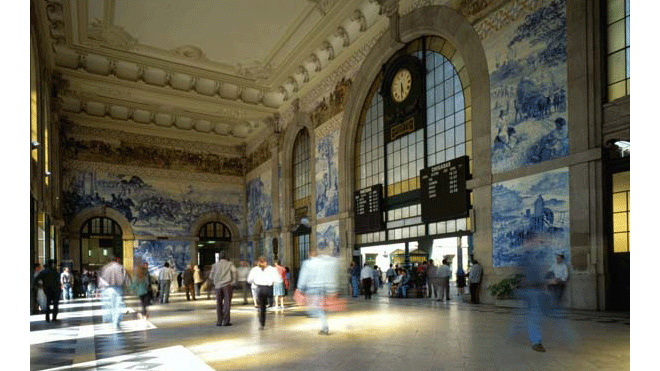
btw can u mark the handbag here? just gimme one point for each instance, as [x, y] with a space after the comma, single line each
[299, 298]
[41, 299]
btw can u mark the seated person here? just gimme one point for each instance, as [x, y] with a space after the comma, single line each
[401, 283]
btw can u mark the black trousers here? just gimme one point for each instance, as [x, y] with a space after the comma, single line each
[264, 293]
[52, 297]
[366, 285]
[144, 301]
[474, 292]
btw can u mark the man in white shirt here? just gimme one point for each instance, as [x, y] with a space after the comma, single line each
[366, 276]
[319, 281]
[559, 276]
[264, 276]
[224, 275]
[444, 272]
[165, 277]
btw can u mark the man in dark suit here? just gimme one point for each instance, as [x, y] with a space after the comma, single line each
[51, 285]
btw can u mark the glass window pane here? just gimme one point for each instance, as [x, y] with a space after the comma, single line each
[450, 154]
[617, 90]
[439, 111]
[449, 121]
[440, 126]
[449, 137]
[616, 66]
[616, 36]
[430, 97]
[439, 94]
[460, 150]
[621, 182]
[621, 242]
[620, 222]
[619, 202]
[615, 10]
[460, 133]
[440, 142]
[432, 228]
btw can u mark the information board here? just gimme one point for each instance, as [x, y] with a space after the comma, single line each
[368, 206]
[444, 195]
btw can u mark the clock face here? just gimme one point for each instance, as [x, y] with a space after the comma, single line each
[401, 84]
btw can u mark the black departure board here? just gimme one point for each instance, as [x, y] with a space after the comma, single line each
[444, 195]
[369, 209]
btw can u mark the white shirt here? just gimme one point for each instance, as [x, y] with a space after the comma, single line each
[112, 274]
[264, 277]
[366, 272]
[561, 271]
[166, 274]
[444, 271]
[475, 273]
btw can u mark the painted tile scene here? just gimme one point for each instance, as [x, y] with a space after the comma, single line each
[528, 74]
[531, 219]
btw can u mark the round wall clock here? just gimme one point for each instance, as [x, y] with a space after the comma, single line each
[401, 85]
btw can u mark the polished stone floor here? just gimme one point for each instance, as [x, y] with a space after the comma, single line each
[382, 333]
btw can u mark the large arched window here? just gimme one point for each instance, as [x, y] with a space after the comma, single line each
[447, 135]
[213, 238]
[100, 242]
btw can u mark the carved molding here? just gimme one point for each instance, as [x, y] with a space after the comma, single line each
[330, 125]
[112, 35]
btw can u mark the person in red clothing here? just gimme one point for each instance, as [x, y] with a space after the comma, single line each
[278, 287]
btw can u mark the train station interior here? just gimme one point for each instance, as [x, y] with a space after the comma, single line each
[388, 133]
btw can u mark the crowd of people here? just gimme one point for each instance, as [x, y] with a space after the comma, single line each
[268, 285]
[426, 279]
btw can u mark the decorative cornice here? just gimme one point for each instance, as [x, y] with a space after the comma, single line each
[347, 69]
[76, 165]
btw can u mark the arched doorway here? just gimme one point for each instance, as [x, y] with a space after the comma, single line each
[100, 242]
[214, 237]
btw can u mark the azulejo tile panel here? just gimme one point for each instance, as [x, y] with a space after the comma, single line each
[531, 219]
[159, 252]
[327, 238]
[528, 76]
[153, 206]
[327, 176]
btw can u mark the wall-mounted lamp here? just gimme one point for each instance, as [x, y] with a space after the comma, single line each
[48, 173]
[34, 144]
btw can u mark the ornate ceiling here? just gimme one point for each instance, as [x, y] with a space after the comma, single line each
[206, 70]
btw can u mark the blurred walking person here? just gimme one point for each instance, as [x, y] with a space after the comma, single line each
[223, 275]
[264, 276]
[319, 282]
[50, 283]
[141, 288]
[243, 286]
[188, 282]
[111, 281]
[354, 271]
[444, 272]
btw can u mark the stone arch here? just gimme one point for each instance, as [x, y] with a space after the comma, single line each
[214, 217]
[98, 211]
[128, 236]
[425, 21]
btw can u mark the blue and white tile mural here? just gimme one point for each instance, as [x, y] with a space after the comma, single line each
[531, 219]
[259, 203]
[528, 75]
[327, 183]
[327, 238]
[158, 252]
[153, 206]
